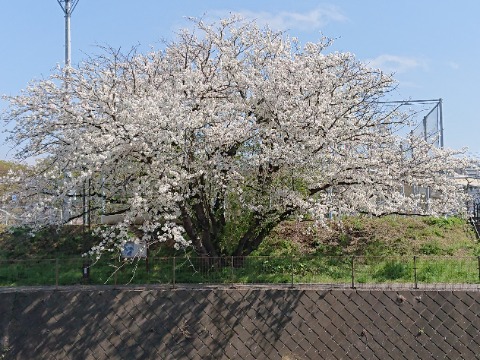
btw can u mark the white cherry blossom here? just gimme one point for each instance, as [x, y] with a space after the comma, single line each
[218, 137]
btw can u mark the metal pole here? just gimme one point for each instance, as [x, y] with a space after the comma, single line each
[441, 122]
[425, 128]
[173, 273]
[353, 272]
[56, 273]
[291, 269]
[67, 6]
[84, 203]
[67, 33]
[89, 204]
[478, 261]
[415, 271]
[103, 196]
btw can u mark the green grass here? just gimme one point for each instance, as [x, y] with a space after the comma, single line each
[370, 236]
[382, 249]
[21, 243]
[251, 270]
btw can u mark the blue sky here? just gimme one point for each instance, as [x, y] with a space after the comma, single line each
[431, 45]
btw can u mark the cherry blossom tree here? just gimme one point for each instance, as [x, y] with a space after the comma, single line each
[217, 138]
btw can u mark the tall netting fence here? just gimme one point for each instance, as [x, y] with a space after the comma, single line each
[425, 120]
[426, 123]
[429, 125]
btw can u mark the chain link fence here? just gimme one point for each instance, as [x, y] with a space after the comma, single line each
[344, 271]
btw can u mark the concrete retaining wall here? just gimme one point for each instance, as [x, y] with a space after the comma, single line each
[243, 323]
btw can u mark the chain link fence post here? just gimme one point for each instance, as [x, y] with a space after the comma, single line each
[173, 273]
[116, 274]
[415, 272]
[353, 272]
[56, 272]
[291, 270]
[478, 262]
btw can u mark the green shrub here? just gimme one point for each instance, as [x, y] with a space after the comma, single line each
[444, 222]
[431, 248]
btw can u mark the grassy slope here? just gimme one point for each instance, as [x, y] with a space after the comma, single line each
[375, 237]
[355, 236]
[19, 243]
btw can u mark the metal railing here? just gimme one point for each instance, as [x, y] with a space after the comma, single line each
[345, 271]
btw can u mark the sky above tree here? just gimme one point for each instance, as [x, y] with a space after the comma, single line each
[429, 45]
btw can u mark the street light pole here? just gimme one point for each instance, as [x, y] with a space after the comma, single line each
[68, 6]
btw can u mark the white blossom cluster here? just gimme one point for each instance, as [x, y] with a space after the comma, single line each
[229, 124]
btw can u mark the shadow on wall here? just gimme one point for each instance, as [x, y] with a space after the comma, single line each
[229, 323]
[170, 324]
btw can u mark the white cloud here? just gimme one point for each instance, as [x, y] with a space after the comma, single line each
[284, 20]
[397, 64]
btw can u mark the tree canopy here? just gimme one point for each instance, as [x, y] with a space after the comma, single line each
[218, 137]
